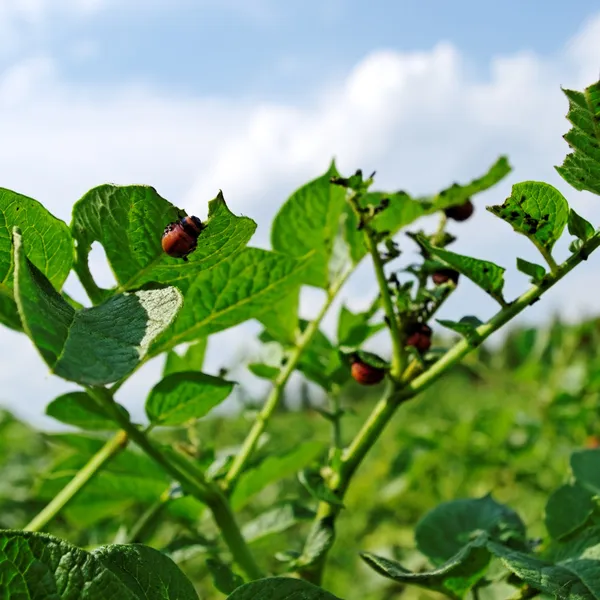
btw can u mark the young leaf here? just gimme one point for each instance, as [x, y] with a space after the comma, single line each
[585, 465]
[280, 588]
[146, 572]
[487, 275]
[354, 328]
[179, 397]
[442, 532]
[80, 410]
[581, 168]
[275, 520]
[37, 565]
[537, 210]
[466, 326]
[571, 579]
[454, 578]
[49, 247]
[568, 508]
[129, 222]
[458, 194]
[579, 227]
[308, 221]
[272, 469]
[316, 487]
[93, 346]
[225, 580]
[264, 371]
[536, 272]
[191, 360]
[236, 290]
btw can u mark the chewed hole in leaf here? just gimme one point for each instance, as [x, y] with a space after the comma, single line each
[99, 267]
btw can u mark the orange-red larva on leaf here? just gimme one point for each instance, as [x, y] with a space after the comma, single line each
[181, 237]
[366, 374]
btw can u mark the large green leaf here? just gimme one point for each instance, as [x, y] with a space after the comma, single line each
[93, 346]
[454, 578]
[537, 210]
[37, 565]
[129, 221]
[49, 247]
[183, 396]
[309, 221]
[280, 588]
[445, 530]
[146, 572]
[487, 275]
[585, 465]
[581, 168]
[271, 469]
[80, 410]
[575, 577]
[232, 292]
[568, 508]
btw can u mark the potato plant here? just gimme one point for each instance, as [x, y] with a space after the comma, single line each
[204, 278]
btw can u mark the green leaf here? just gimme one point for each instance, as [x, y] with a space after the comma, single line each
[568, 508]
[354, 328]
[273, 468]
[579, 227]
[233, 291]
[487, 275]
[466, 326]
[264, 371]
[537, 210]
[275, 520]
[281, 319]
[93, 346]
[315, 484]
[445, 530]
[458, 194]
[308, 221]
[535, 271]
[37, 565]
[80, 410]
[454, 578]
[191, 360]
[49, 247]
[183, 396]
[280, 588]
[581, 168]
[575, 578]
[129, 222]
[585, 465]
[146, 572]
[225, 580]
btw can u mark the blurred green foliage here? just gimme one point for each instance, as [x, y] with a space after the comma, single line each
[505, 421]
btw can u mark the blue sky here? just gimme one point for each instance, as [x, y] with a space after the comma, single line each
[254, 97]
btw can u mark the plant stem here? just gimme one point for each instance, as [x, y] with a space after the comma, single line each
[264, 416]
[396, 394]
[336, 421]
[191, 479]
[112, 447]
[547, 257]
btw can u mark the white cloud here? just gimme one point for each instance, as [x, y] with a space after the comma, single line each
[421, 119]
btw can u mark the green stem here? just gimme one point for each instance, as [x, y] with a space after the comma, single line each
[336, 421]
[264, 416]
[547, 255]
[112, 447]
[192, 480]
[396, 394]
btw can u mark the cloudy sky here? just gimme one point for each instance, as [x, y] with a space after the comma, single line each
[255, 97]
